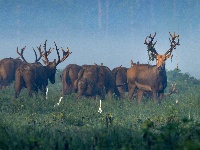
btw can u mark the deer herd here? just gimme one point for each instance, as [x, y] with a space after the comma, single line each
[90, 80]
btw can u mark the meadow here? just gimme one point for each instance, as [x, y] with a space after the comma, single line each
[39, 123]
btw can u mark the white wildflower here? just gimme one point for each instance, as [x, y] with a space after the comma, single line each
[47, 92]
[100, 110]
[59, 101]
[189, 115]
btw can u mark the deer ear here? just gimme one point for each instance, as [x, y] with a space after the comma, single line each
[132, 62]
[54, 61]
[45, 62]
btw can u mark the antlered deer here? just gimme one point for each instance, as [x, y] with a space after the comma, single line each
[7, 71]
[147, 77]
[34, 76]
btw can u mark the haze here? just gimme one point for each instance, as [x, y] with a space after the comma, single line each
[111, 32]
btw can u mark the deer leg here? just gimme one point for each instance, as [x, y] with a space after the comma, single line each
[161, 94]
[2, 84]
[102, 95]
[122, 92]
[1, 79]
[131, 90]
[29, 91]
[155, 97]
[110, 92]
[6, 84]
[78, 96]
[100, 91]
[139, 95]
[36, 91]
[17, 91]
[94, 97]
[70, 89]
[117, 92]
[43, 90]
[17, 87]
[64, 89]
[3, 87]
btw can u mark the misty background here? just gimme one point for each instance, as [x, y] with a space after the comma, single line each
[111, 32]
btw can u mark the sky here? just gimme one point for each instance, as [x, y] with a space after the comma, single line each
[111, 32]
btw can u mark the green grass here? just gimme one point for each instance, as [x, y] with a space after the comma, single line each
[34, 123]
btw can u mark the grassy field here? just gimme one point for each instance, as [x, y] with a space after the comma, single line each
[38, 123]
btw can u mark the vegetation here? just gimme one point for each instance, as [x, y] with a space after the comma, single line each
[39, 123]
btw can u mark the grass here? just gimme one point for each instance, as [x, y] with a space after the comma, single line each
[34, 123]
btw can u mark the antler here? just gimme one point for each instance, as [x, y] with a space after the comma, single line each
[173, 89]
[21, 54]
[39, 49]
[150, 47]
[150, 42]
[46, 53]
[65, 54]
[173, 43]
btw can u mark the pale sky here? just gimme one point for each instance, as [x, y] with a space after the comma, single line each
[111, 32]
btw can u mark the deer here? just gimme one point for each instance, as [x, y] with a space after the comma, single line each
[34, 76]
[151, 78]
[8, 67]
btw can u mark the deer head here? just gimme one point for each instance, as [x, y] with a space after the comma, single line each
[51, 66]
[160, 59]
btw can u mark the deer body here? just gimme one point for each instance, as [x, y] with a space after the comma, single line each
[7, 71]
[68, 77]
[34, 76]
[148, 78]
[120, 76]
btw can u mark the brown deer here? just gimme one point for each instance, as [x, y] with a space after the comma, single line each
[96, 80]
[8, 67]
[68, 77]
[120, 76]
[34, 76]
[150, 78]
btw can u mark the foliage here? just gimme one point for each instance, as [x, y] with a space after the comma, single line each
[38, 123]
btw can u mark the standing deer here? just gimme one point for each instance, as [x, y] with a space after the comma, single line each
[34, 76]
[95, 80]
[120, 76]
[8, 67]
[150, 78]
[68, 77]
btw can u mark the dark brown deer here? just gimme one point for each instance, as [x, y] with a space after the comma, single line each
[96, 80]
[120, 76]
[34, 76]
[8, 67]
[150, 78]
[68, 77]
